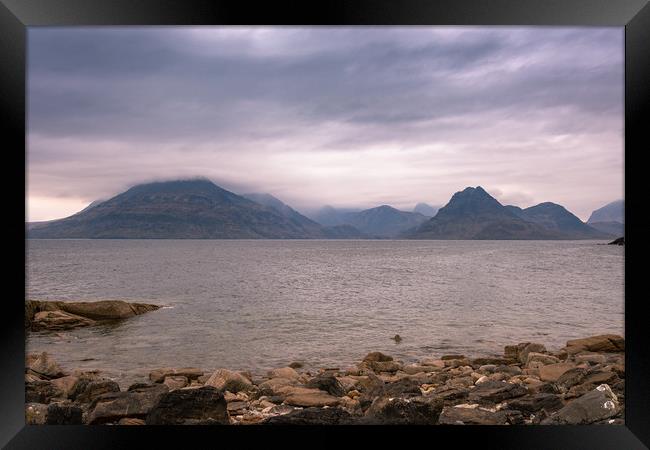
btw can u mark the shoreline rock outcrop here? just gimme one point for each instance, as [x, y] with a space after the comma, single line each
[582, 383]
[59, 315]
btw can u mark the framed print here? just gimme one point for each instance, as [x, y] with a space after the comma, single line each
[344, 220]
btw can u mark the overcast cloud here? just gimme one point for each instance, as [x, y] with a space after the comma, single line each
[350, 117]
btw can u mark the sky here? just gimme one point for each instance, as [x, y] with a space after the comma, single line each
[352, 117]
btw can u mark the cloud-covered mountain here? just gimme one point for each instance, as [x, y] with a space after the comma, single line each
[475, 214]
[185, 209]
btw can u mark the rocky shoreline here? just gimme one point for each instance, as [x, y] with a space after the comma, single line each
[582, 383]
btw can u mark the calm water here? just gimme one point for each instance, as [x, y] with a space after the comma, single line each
[257, 304]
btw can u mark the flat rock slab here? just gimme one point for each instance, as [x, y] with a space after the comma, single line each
[536, 402]
[404, 411]
[454, 415]
[600, 343]
[229, 380]
[594, 406]
[134, 403]
[159, 375]
[311, 397]
[552, 372]
[313, 416]
[59, 321]
[496, 392]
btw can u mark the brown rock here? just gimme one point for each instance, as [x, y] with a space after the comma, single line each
[159, 375]
[175, 382]
[43, 366]
[42, 392]
[202, 406]
[600, 343]
[540, 358]
[377, 357]
[65, 384]
[314, 397]
[459, 415]
[552, 372]
[228, 380]
[35, 413]
[134, 403]
[284, 372]
[58, 321]
[130, 421]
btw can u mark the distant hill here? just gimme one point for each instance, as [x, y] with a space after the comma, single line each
[475, 214]
[185, 209]
[425, 209]
[288, 212]
[610, 218]
[611, 212]
[381, 222]
[555, 217]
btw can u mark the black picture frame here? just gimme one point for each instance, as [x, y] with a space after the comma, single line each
[634, 15]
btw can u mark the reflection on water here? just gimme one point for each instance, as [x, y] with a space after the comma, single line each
[261, 304]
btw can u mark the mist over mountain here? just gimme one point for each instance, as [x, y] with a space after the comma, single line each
[425, 209]
[383, 221]
[199, 209]
[610, 218]
[475, 214]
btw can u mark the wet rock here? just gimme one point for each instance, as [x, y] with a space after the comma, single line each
[377, 357]
[42, 392]
[347, 383]
[471, 415]
[58, 321]
[450, 395]
[236, 407]
[63, 414]
[597, 377]
[284, 372]
[601, 343]
[450, 357]
[202, 406]
[159, 375]
[327, 383]
[296, 365]
[87, 390]
[310, 397]
[134, 403]
[35, 413]
[406, 411]
[433, 363]
[175, 382]
[530, 348]
[313, 416]
[99, 310]
[496, 392]
[43, 365]
[536, 402]
[228, 380]
[552, 372]
[596, 405]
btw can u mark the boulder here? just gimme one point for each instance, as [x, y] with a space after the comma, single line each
[450, 395]
[42, 392]
[403, 411]
[540, 358]
[273, 387]
[590, 358]
[571, 377]
[284, 372]
[384, 366]
[134, 403]
[492, 392]
[63, 414]
[66, 384]
[601, 343]
[43, 365]
[312, 416]
[228, 380]
[471, 415]
[552, 372]
[496, 361]
[87, 390]
[327, 383]
[596, 405]
[35, 413]
[311, 397]
[175, 382]
[530, 348]
[159, 375]
[58, 321]
[202, 406]
[377, 357]
[536, 402]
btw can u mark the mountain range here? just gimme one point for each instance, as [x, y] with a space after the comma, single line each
[199, 209]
